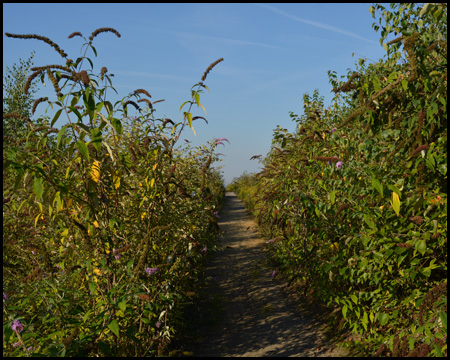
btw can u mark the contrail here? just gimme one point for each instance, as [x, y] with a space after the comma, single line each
[315, 23]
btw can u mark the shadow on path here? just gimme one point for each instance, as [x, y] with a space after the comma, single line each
[249, 313]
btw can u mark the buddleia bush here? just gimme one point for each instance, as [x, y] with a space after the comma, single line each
[105, 221]
[355, 199]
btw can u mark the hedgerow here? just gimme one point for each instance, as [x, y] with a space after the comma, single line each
[105, 222]
[355, 199]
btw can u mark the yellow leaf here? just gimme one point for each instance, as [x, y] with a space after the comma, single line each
[116, 181]
[143, 214]
[95, 171]
[95, 223]
[97, 271]
[395, 203]
[323, 135]
[152, 182]
[154, 167]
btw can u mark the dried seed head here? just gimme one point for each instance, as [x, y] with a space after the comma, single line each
[420, 121]
[38, 37]
[147, 101]
[54, 81]
[65, 68]
[132, 103]
[98, 31]
[340, 208]
[142, 91]
[420, 148]
[83, 76]
[37, 102]
[199, 117]
[210, 68]
[417, 219]
[30, 80]
[51, 131]
[76, 33]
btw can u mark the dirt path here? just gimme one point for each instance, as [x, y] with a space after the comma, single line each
[246, 312]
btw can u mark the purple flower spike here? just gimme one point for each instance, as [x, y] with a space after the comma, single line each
[4, 296]
[339, 164]
[158, 324]
[151, 271]
[223, 139]
[16, 326]
[216, 214]
[204, 249]
[332, 131]
[274, 272]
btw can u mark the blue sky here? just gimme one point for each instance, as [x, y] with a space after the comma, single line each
[273, 54]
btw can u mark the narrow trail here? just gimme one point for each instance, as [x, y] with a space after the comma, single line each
[251, 315]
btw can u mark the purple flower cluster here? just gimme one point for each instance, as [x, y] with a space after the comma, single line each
[17, 326]
[339, 164]
[219, 141]
[151, 271]
[117, 254]
[216, 214]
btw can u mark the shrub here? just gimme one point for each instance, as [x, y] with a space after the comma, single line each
[356, 197]
[105, 222]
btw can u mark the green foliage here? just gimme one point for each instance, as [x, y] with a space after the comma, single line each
[356, 198]
[14, 98]
[105, 222]
[245, 187]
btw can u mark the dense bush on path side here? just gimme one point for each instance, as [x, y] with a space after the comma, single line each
[355, 200]
[105, 222]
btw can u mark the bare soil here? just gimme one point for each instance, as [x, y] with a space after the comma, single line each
[243, 310]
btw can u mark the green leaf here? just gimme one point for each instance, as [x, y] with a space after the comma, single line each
[363, 264]
[197, 98]
[443, 316]
[122, 305]
[60, 135]
[384, 318]
[114, 327]
[56, 117]
[377, 186]
[332, 197]
[421, 246]
[354, 298]
[86, 316]
[81, 145]
[117, 124]
[184, 104]
[426, 7]
[344, 311]
[92, 287]
[76, 112]
[38, 187]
